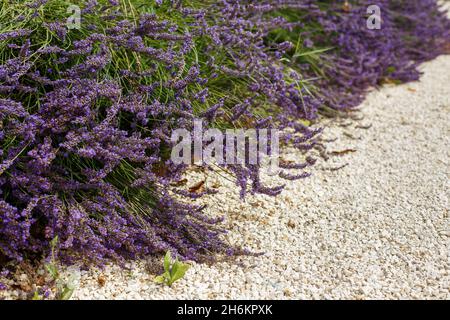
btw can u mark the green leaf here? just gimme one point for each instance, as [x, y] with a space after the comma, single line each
[162, 278]
[54, 242]
[36, 296]
[167, 261]
[305, 122]
[52, 270]
[174, 268]
[306, 53]
[66, 294]
[391, 69]
[180, 269]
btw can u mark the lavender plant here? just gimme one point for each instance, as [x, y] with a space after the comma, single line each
[86, 114]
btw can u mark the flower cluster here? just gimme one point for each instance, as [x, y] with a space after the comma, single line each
[411, 32]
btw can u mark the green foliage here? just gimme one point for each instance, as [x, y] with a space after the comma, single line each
[173, 270]
[64, 289]
[37, 296]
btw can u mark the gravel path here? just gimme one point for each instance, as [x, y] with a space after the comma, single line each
[378, 228]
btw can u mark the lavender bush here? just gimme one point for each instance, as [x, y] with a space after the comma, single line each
[86, 114]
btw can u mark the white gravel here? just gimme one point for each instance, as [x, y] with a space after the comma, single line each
[378, 228]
